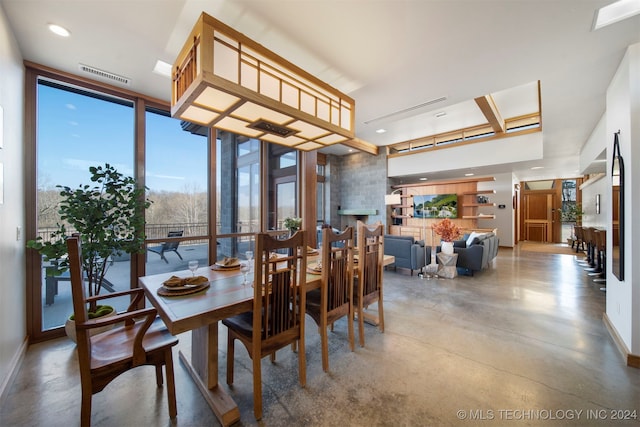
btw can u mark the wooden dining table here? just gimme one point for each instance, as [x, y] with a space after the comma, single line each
[200, 313]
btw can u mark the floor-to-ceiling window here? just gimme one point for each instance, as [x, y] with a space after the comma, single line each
[569, 208]
[238, 194]
[76, 129]
[282, 200]
[74, 123]
[321, 191]
[176, 176]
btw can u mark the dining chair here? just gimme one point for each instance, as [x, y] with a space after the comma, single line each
[277, 317]
[138, 338]
[368, 283]
[334, 299]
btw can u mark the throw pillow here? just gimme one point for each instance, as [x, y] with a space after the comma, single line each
[473, 238]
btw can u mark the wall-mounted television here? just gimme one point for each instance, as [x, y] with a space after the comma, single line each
[435, 206]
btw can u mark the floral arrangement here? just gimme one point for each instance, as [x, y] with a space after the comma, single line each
[447, 230]
[292, 224]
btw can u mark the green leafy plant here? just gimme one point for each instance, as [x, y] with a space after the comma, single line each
[293, 223]
[109, 217]
[571, 212]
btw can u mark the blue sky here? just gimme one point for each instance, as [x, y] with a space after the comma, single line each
[77, 131]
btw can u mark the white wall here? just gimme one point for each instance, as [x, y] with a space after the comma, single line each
[503, 150]
[595, 145]
[623, 114]
[12, 213]
[591, 218]
[589, 155]
[504, 220]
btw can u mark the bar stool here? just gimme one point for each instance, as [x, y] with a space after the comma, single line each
[588, 262]
[601, 247]
[595, 254]
[580, 244]
[578, 241]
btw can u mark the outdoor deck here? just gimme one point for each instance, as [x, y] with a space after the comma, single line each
[55, 314]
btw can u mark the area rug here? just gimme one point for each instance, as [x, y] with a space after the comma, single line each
[550, 248]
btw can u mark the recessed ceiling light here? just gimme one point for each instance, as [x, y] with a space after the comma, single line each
[59, 30]
[469, 174]
[617, 11]
[381, 130]
[423, 179]
[537, 167]
[162, 68]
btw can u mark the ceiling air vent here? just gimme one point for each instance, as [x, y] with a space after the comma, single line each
[105, 75]
[272, 128]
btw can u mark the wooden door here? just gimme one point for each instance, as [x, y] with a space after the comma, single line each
[538, 209]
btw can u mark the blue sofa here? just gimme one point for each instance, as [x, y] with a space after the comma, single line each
[409, 253]
[478, 254]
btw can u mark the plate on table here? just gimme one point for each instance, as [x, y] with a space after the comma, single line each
[178, 288]
[228, 262]
[314, 268]
[177, 284]
[182, 290]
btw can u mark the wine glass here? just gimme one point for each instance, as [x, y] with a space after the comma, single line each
[249, 255]
[244, 269]
[193, 266]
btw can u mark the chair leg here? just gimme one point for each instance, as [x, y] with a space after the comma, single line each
[230, 353]
[302, 361]
[159, 380]
[164, 258]
[324, 340]
[85, 408]
[179, 256]
[351, 332]
[380, 314]
[361, 325]
[257, 387]
[171, 384]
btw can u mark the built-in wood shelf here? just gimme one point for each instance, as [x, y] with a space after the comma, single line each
[471, 193]
[470, 205]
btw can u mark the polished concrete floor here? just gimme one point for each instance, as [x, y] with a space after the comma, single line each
[521, 344]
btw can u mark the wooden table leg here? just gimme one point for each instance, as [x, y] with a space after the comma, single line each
[203, 368]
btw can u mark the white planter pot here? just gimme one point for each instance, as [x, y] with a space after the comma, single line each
[70, 328]
[446, 247]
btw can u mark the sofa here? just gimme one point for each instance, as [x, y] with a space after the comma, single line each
[408, 252]
[475, 251]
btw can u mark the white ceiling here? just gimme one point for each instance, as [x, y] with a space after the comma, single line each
[389, 55]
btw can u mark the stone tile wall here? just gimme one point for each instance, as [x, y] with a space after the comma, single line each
[357, 181]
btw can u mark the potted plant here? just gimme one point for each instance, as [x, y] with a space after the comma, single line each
[293, 224]
[110, 219]
[448, 232]
[571, 213]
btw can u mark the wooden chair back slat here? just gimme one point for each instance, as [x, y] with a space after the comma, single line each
[335, 298]
[277, 317]
[370, 267]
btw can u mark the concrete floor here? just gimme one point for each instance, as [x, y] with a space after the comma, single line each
[521, 344]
